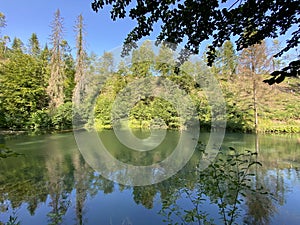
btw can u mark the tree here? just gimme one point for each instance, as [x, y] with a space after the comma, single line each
[3, 46]
[68, 71]
[2, 21]
[251, 21]
[226, 60]
[34, 45]
[55, 88]
[81, 55]
[22, 86]
[229, 59]
[5, 39]
[254, 62]
[17, 45]
[164, 61]
[45, 55]
[142, 59]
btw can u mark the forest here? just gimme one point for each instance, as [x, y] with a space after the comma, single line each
[38, 84]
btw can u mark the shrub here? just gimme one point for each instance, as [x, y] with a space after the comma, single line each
[39, 120]
[62, 117]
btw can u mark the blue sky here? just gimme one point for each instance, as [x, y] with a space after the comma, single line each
[25, 17]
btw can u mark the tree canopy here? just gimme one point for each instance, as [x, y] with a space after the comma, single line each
[251, 21]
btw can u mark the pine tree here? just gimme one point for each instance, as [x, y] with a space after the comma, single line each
[17, 45]
[229, 59]
[45, 54]
[3, 40]
[81, 58]
[55, 88]
[3, 46]
[226, 61]
[34, 45]
[2, 21]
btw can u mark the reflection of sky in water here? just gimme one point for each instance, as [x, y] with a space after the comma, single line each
[288, 213]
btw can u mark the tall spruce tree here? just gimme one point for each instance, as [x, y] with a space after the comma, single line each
[17, 45]
[81, 57]
[34, 48]
[3, 40]
[2, 21]
[55, 87]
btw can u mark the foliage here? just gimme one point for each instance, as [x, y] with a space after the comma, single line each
[226, 181]
[40, 120]
[13, 220]
[62, 117]
[37, 85]
[17, 45]
[292, 70]
[34, 46]
[197, 21]
[22, 84]
[238, 83]
[2, 20]
[68, 71]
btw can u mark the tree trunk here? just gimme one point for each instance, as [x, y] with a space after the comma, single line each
[255, 100]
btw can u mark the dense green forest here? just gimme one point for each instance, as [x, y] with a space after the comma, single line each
[38, 84]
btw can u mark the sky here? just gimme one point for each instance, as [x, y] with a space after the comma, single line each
[35, 16]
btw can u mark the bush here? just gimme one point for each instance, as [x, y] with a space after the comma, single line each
[62, 117]
[39, 120]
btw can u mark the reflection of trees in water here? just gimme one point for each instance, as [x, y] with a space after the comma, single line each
[5, 152]
[144, 195]
[233, 184]
[57, 185]
[25, 183]
[228, 187]
[188, 195]
[260, 206]
[67, 173]
[81, 186]
[223, 184]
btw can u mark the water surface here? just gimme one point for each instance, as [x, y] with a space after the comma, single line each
[51, 183]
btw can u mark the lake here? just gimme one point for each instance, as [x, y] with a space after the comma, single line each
[255, 180]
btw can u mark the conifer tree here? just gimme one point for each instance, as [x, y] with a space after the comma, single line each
[17, 45]
[5, 39]
[2, 21]
[80, 57]
[34, 45]
[55, 88]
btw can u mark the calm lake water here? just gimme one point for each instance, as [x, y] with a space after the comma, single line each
[52, 183]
